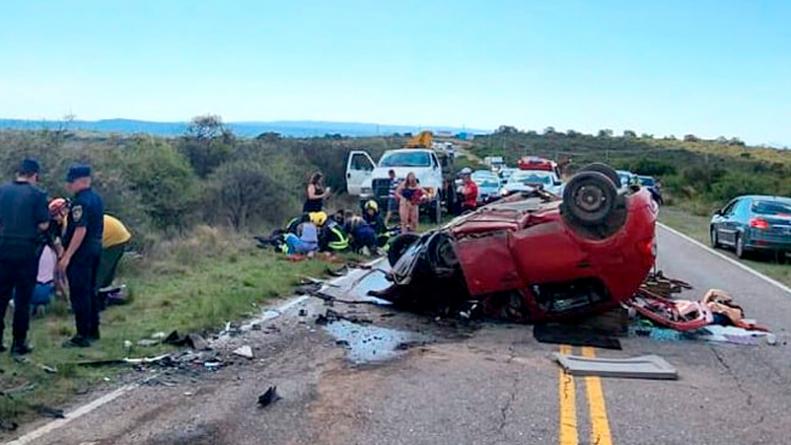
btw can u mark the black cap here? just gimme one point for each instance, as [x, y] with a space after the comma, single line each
[29, 167]
[77, 171]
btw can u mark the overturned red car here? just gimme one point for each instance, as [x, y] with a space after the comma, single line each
[534, 256]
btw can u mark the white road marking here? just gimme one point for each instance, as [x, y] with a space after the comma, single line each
[721, 255]
[109, 397]
[77, 413]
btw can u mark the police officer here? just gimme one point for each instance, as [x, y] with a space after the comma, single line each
[23, 217]
[83, 244]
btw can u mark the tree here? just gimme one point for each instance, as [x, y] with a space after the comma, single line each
[629, 134]
[646, 136]
[242, 191]
[163, 179]
[549, 130]
[605, 133]
[690, 138]
[207, 143]
[506, 129]
[269, 136]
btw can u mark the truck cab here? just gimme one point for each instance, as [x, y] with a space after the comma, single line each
[369, 180]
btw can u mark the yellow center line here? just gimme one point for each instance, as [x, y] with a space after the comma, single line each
[568, 405]
[600, 425]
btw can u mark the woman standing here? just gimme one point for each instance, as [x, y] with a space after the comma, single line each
[316, 194]
[409, 195]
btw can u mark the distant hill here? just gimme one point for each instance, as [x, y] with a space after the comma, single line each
[244, 129]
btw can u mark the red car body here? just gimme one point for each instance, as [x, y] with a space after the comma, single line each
[524, 248]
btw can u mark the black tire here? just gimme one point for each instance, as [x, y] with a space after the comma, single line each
[399, 245]
[741, 253]
[589, 199]
[715, 239]
[604, 169]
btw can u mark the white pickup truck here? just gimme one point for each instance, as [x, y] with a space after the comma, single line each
[367, 179]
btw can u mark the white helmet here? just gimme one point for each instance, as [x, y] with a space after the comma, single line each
[466, 171]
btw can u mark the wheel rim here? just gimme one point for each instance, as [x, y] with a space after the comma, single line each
[590, 198]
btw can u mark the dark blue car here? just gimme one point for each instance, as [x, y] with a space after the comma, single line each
[753, 224]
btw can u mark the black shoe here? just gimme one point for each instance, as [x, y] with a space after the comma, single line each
[94, 336]
[21, 348]
[78, 341]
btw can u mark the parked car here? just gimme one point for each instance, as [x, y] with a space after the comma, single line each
[754, 223]
[488, 185]
[602, 244]
[627, 178]
[505, 173]
[527, 180]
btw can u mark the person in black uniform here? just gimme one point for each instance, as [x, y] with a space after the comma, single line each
[23, 217]
[83, 244]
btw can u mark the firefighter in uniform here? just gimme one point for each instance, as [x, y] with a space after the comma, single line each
[23, 218]
[83, 247]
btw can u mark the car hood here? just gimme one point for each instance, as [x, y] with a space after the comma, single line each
[424, 174]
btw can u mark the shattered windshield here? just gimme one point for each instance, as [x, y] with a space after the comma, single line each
[772, 208]
[406, 159]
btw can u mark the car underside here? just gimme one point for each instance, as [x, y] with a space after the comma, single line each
[533, 256]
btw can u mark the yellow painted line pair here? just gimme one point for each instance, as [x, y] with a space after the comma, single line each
[600, 425]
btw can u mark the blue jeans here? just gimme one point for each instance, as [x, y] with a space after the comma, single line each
[296, 245]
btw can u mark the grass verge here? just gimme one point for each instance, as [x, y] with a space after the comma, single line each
[697, 227]
[191, 285]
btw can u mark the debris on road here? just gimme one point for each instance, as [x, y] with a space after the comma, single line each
[643, 367]
[244, 351]
[147, 342]
[46, 411]
[7, 425]
[269, 397]
[565, 334]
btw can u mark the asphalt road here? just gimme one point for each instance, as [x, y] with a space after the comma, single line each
[489, 384]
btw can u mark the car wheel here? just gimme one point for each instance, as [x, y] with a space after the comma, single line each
[589, 198]
[715, 240]
[740, 252]
[604, 169]
[399, 245]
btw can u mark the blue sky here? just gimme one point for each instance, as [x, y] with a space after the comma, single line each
[664, 67]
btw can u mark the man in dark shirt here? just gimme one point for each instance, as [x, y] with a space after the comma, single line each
[23, 217]
[83, 244]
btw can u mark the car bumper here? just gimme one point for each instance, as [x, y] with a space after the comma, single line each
[763, 240]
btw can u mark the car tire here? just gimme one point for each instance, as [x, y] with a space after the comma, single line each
[399, 245]
[604, 169]
[589, 199]
[715, 240]
[741, 253]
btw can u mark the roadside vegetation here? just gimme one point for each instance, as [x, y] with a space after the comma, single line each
[192, 204]
[698, 175]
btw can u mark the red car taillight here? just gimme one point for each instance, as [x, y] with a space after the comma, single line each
[758, 223]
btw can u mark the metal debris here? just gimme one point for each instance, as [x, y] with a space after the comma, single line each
[244, 351]
[269, 397]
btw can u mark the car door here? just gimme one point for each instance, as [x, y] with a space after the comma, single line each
[359, 167]
[726, 224]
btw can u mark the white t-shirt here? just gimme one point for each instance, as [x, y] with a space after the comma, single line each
[46, 265]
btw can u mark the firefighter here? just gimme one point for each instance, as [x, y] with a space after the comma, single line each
[332, 237]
